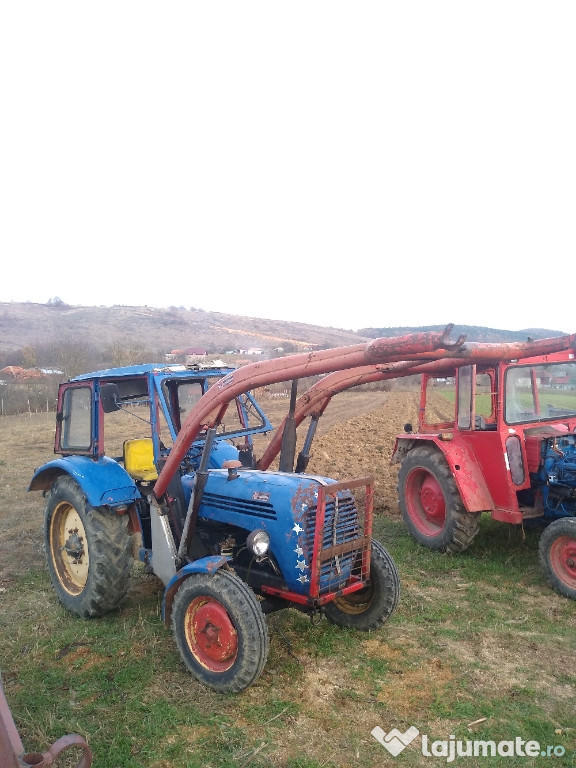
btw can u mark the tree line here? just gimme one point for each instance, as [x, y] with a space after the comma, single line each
[61, 360]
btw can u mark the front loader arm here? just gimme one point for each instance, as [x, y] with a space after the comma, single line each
[298, 366]
[494, 352]
[316, 399]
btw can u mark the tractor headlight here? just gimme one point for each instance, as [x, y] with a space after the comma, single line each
[259, 542]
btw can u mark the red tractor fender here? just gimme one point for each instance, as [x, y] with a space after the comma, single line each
[463, 464]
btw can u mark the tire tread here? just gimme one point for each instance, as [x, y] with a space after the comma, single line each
[109, 549]
[462, 526]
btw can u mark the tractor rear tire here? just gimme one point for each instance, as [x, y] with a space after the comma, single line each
[370, 607]
[220, 631]
[88, 551]
[431, 505]
[557, 550]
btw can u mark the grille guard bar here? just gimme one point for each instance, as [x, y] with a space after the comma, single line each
[323, 555]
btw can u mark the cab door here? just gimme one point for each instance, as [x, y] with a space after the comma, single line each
[500, 465]
[76, 420]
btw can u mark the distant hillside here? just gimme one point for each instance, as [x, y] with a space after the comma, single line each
[29, 325]
[472, 333]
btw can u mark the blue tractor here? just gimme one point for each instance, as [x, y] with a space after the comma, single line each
[157, 462]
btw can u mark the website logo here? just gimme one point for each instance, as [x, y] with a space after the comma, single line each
[451, 749]
[395, 741]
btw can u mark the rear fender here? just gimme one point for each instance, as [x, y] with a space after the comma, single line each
[403, 444]
[104, 482]
[463, 464]
[209, 564]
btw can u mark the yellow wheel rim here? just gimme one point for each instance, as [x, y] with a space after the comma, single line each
[355, 603]
[69, 548]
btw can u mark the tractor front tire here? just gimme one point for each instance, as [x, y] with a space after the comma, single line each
[88, 551]
[431, 505]
[220, 631]
[370, 607]
[557, 550]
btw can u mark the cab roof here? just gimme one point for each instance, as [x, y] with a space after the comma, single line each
[162, 369]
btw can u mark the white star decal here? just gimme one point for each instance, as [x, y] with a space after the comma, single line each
[297, 528]
[299, 551]
[301, 565]
[303, 578]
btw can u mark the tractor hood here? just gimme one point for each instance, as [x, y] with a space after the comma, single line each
[283, 504]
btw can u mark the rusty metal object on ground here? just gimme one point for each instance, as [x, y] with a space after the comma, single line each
[12, 754]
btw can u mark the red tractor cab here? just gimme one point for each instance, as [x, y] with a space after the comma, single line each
[496, 437]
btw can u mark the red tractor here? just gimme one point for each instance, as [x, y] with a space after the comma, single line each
[496, 436]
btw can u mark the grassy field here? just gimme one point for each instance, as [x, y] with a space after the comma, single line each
[479, 649]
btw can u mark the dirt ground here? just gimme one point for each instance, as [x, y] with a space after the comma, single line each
[355, 438]
[360, 441]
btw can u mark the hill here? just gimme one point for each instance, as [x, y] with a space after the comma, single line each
[29, 324]
[26, 324]
[472, 332]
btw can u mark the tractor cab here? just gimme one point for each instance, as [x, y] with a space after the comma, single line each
[500, 438]
[134, 414]
[495, 424]
[508, 395]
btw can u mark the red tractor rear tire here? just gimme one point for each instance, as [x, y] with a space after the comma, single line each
[431, 506]
[557, 550]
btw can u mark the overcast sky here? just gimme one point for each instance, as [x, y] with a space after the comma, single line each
[343, 164]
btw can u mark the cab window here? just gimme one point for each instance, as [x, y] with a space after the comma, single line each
[76, 429]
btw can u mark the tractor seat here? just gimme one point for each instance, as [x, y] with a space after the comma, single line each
[139, 459]
[481, 423]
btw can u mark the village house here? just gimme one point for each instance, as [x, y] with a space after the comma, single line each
[194, 355]
[174, 356]
[250, 351]
[188, 356]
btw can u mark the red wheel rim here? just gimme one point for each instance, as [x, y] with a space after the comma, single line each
[210, 633]
[425, 501]
[563, 560]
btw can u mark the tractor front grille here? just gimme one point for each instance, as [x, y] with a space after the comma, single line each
[337, 536]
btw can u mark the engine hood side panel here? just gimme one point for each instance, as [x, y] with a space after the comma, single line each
[274, 501]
